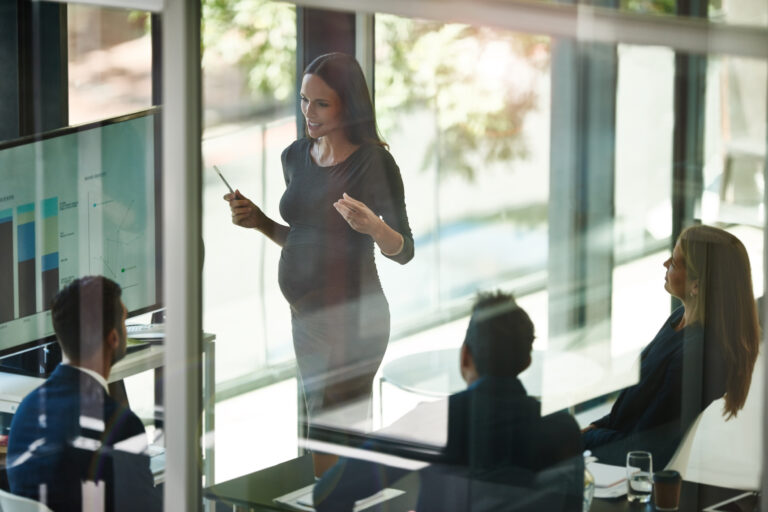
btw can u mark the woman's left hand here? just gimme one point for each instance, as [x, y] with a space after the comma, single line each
[357, 214]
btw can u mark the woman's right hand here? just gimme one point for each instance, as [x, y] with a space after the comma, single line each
[244, 213]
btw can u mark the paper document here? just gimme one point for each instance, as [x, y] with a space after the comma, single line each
[610, 481]
[301, 499]
[607, 475]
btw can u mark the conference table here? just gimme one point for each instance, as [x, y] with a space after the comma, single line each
[257, 491]
[693, 498]
[561, 379]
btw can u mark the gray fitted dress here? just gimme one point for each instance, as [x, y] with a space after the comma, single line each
[339, 315]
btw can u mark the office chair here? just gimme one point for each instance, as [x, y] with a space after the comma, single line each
[12, 503]
[726, 453]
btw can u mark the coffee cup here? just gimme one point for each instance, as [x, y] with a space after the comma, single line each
[666, 489]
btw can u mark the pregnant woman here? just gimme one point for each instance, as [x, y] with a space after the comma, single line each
[344, 193]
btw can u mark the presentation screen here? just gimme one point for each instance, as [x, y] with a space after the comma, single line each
[73, 202]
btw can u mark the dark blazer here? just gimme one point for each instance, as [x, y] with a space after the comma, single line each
[64, 433]
[500, 455]
[681, 373]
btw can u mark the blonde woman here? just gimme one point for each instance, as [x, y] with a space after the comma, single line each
[705, 350]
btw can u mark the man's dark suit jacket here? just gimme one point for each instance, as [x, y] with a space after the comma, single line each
[64, 433]
[500, 455]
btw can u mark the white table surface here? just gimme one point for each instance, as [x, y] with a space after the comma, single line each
[436, 373]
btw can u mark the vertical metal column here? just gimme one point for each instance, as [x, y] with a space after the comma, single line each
[9, 69]
[182, 206]
[364, 48]
[318, 31]
[581, 209]
[765, 315]
[688, 140]
[688, 134]
[43, 67]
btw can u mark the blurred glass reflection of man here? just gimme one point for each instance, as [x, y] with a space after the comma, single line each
[501, 454]
[71, 445]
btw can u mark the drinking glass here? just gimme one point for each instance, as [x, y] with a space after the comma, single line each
[639, 476]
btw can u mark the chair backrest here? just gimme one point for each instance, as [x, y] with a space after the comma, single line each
[681, 457]
[12, 503]
[726, 453]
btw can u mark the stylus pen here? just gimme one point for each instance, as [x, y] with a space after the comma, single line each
[223, 179]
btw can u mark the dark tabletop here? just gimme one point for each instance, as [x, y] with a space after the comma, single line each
[256, 491]
[693, 498]
[262, 487]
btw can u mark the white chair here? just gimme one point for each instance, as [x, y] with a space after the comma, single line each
[12, 503]
[679, 461]
[726, 453]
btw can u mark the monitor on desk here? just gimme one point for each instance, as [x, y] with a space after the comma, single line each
[81, 200]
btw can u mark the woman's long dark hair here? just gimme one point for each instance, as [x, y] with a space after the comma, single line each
[725, 304]
[342, 73]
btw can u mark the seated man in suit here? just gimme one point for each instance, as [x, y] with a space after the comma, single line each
[500, 453]
[71, 445]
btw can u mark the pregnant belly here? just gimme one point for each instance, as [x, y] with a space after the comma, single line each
[313, 276]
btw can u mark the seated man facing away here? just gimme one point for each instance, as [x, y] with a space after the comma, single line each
[500, 453]
[71, 445]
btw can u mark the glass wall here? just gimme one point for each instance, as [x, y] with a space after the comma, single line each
[739, 12]
[110, 62]
[248, 103]
[453, 152]
[249, 72]
[80, 185]
[643, 190]
[560, 170]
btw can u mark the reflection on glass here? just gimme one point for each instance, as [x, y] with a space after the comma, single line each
[643, 196]
[736, 12]
[110, 62]
[735, 142]
[497, 450]
[344, 197]
[477, 185]
[249, 65]
[249, 121]
[72, 419]
[476, 170]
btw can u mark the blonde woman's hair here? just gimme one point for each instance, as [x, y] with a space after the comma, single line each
[724, 305]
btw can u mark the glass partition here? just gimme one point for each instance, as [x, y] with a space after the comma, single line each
[372, 341]
[109, 54]
[474, 174]
[560, 171]
[249, 97]
[81, 414]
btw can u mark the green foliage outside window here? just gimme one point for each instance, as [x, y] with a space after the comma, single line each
[475, 80]
[466, 76]
[260, 35]
[649, 6]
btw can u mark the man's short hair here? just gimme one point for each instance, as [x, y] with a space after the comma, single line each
[83, 313]
[499, 336]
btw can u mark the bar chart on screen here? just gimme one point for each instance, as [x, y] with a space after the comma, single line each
[74, 203]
